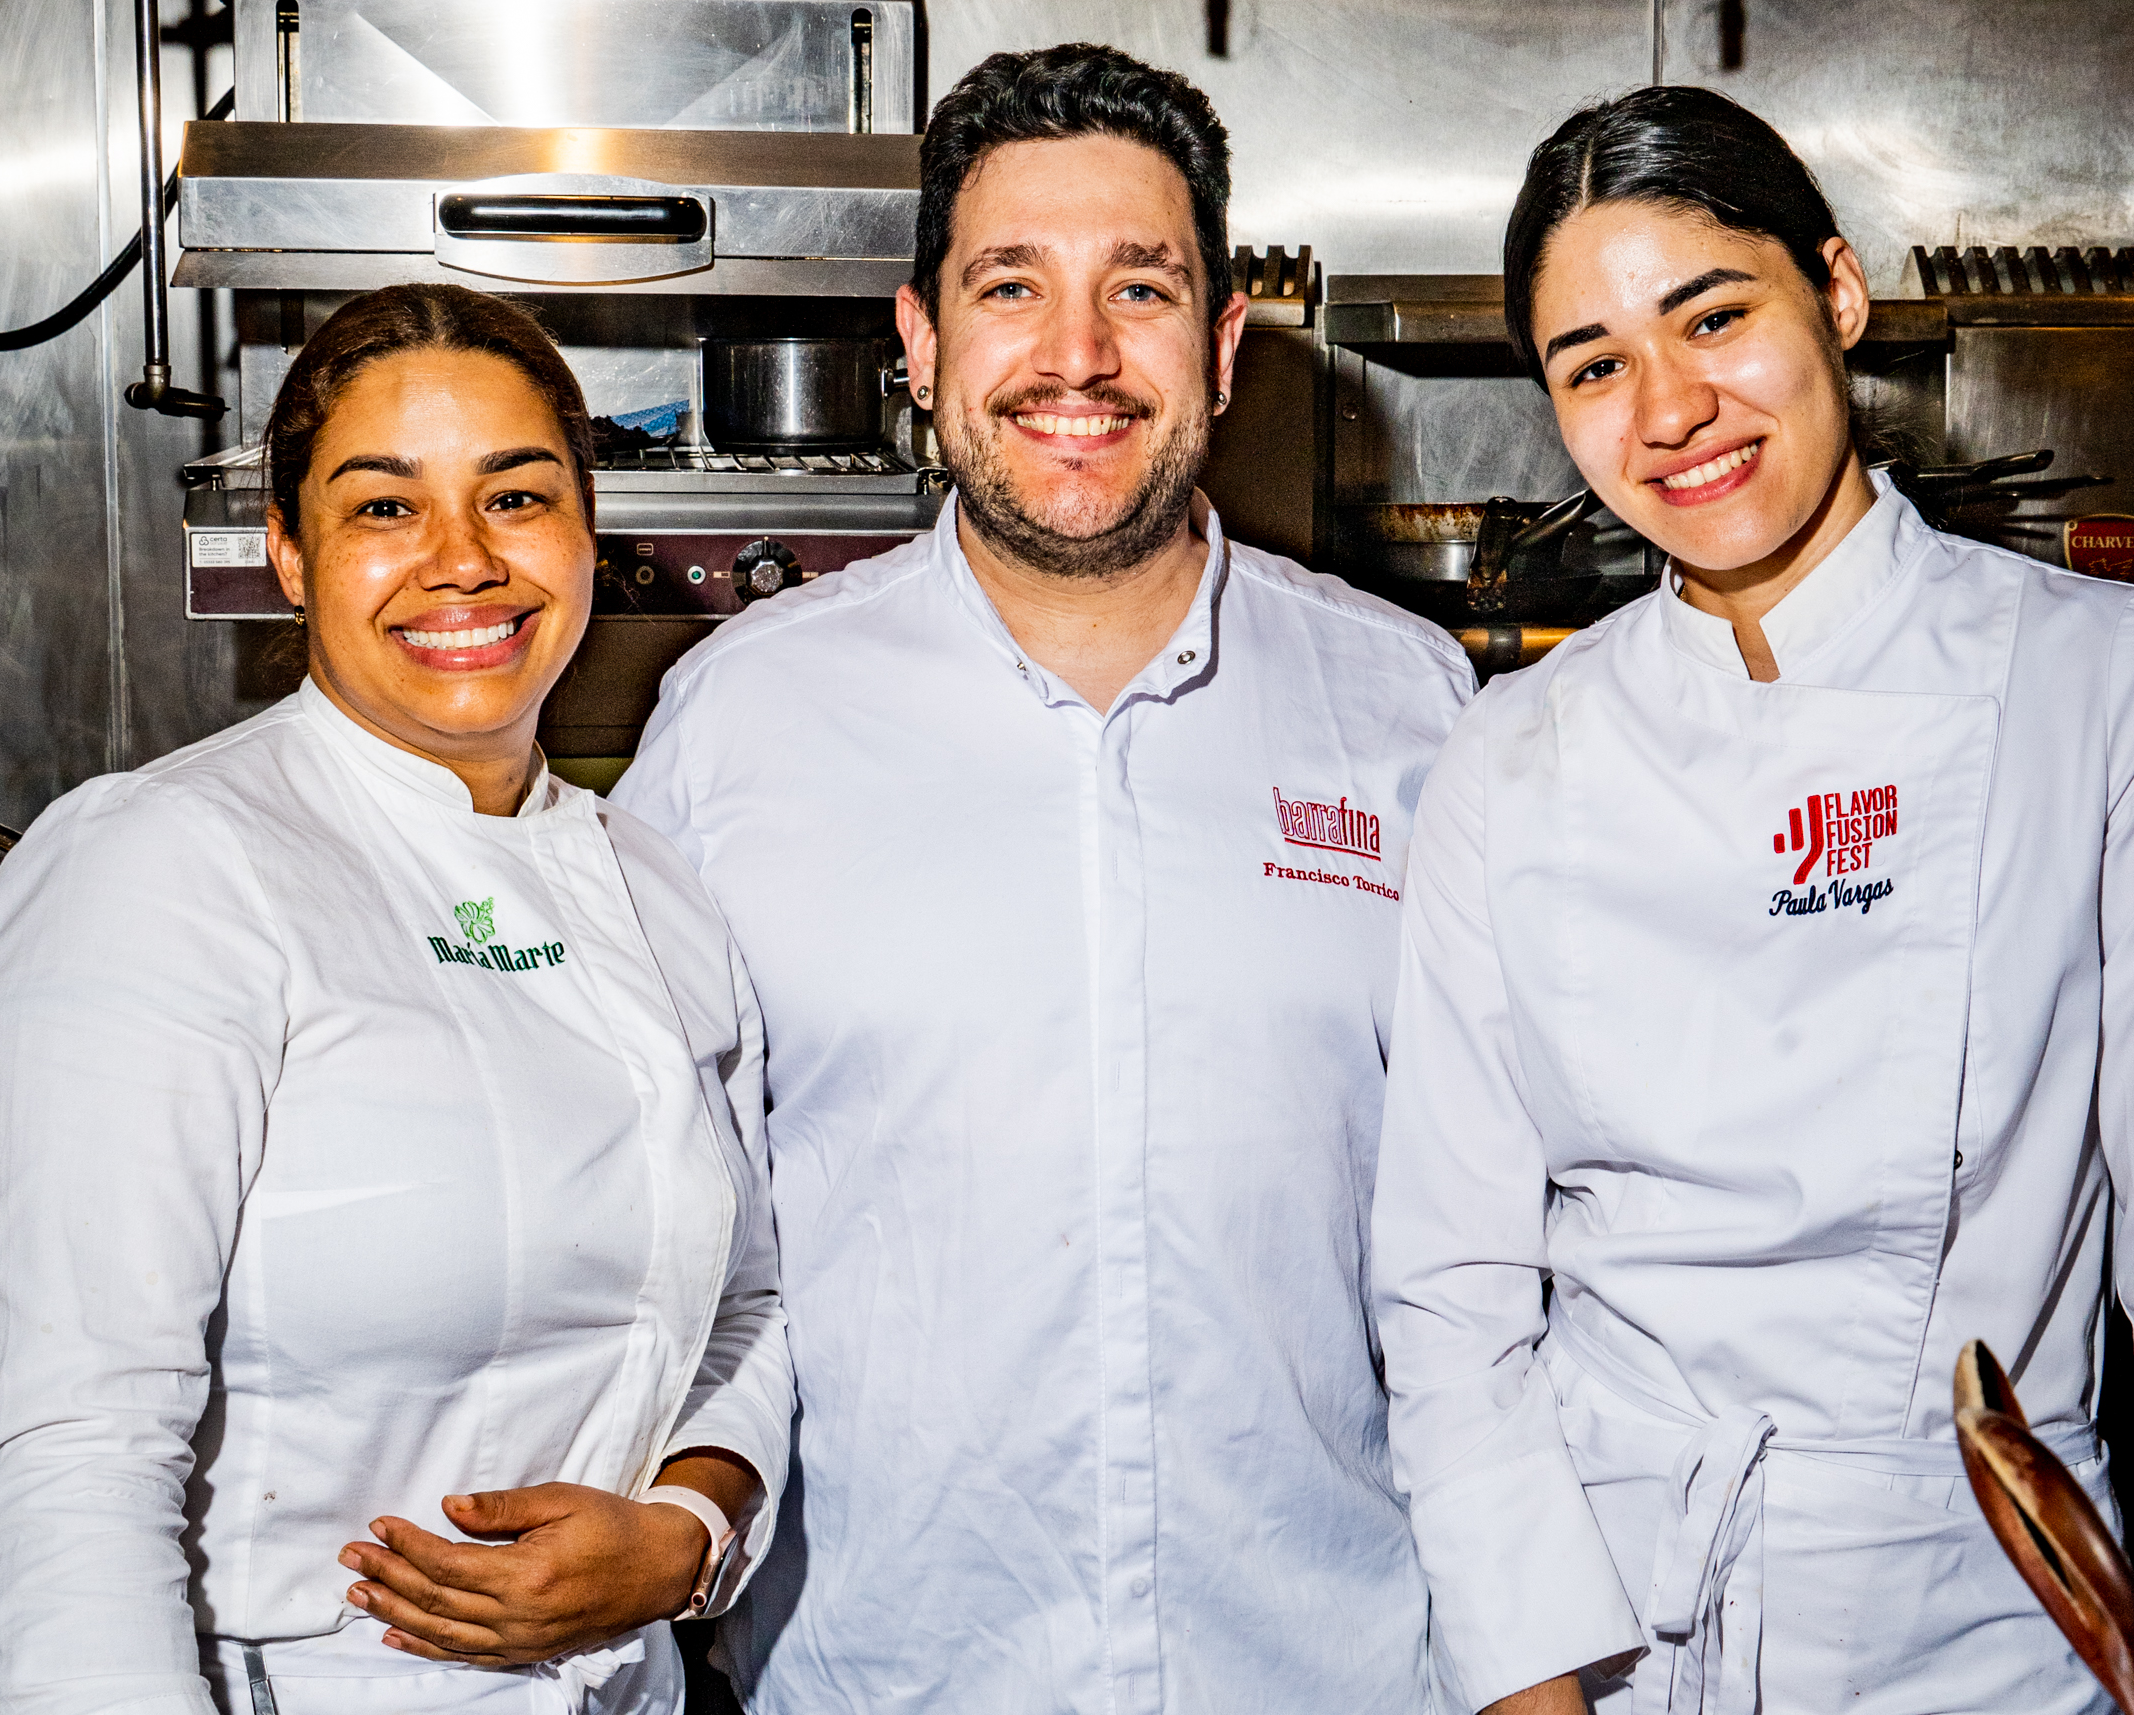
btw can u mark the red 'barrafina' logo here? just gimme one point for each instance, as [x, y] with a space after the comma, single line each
[1327, 827]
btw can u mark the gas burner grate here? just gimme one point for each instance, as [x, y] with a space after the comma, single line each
[734, 464]
[2006, 272]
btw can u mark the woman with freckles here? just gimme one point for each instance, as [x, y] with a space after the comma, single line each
[1759, 1040]
[383, 1214]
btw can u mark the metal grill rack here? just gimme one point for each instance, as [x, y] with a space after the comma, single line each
[2006, 272]
[707, 461]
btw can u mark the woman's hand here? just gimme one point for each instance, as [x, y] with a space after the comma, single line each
[584, 1566]
[581, 1566]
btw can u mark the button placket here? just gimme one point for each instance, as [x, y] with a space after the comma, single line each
[1120, 938]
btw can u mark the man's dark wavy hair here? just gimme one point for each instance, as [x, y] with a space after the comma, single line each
[1078, 89]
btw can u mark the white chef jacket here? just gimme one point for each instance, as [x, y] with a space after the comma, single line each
[358, 1150]
[1075, 1029]
[1765, 1021]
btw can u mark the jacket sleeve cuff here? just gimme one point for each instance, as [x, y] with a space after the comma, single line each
[1522, 1586]
[735, 1424]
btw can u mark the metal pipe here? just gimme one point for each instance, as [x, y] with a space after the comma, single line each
[148, 55]
[153, 392]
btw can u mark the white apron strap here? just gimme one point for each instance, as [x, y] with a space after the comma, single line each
[1706, 1606]
[1705, 1611]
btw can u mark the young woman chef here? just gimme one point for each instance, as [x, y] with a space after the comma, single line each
[380, 1153]
[1763, 948]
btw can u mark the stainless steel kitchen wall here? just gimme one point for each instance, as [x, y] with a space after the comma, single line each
[1390, 134]
[698, 65]
[56, 527]
[99, 669]
[1387, 134]
[1936, 121]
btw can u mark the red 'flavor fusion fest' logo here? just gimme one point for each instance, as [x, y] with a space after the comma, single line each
[1327, 827]
[1840, 833]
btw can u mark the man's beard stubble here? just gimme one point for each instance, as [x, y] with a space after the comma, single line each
[1102, 547]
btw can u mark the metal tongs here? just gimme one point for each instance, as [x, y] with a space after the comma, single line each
[1938, 488]
[1955, 476]
[2045, 1522]
[1505, 538]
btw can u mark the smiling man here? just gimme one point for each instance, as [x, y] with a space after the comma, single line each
[1064, 846]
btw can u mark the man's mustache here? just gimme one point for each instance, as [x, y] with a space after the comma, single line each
[1114, 399]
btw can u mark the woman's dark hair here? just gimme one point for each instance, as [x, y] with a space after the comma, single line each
[414, 318]
[1674, 147]
[1076, 90]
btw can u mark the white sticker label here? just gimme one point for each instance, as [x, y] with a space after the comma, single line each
[228, 547]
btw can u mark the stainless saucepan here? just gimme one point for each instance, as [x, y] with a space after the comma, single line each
[795, 394]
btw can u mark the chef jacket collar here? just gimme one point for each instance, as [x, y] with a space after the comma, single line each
[1186, 660]
[403, 768]
[1814, 610]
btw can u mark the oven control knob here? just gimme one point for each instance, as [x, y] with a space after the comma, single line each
[765, 567]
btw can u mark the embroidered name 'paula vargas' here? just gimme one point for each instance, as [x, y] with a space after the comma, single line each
[1842, 895]
[1327, 827]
